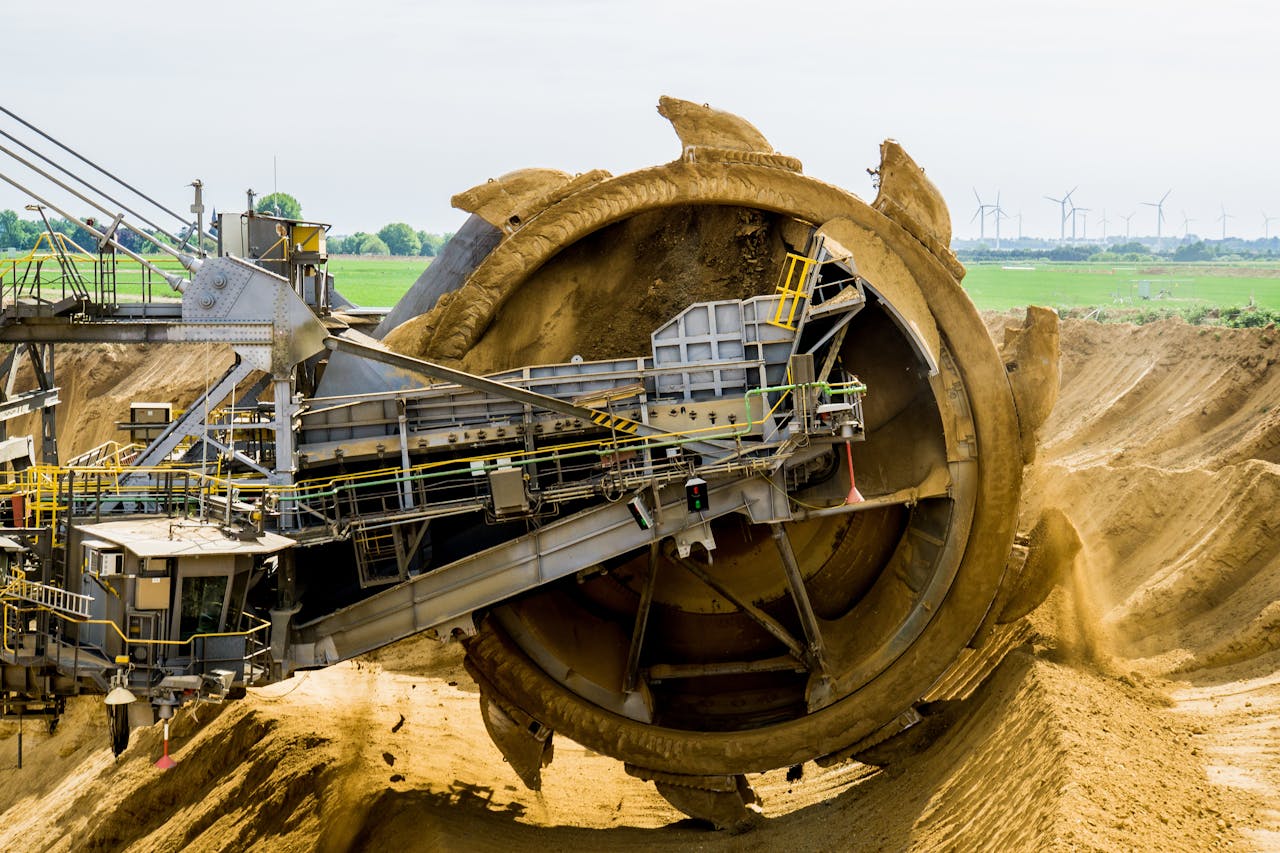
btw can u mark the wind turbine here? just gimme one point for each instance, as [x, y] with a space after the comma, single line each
[1266, 225]
[1104, 225]
[1159, 206]
[1223, 219]
[999, 214]
[1019, 224]
[1126, 224]
[1073, 212]
[1078, 213]
[981, 215]
[1064, 201]
[1186, 232]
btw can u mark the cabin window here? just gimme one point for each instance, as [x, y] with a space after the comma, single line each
[202, 599]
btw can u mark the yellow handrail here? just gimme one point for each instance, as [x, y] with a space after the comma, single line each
[75, 254]
[261, 626]
[791, 283]
[34, 255]
[42, 485]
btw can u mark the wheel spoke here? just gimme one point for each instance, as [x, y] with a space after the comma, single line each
[795, 583]
[764, 620]
[632, 673]
[936, 485]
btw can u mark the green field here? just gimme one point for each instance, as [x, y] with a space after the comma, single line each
[1085, 285]
[370, 282]
[375, 282]
[1121, 290]
[995, 287]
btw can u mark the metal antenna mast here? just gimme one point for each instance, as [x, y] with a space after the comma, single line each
[101, 193]
[139, 193]
[94, 204]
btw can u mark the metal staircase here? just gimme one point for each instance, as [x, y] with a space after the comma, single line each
[44, 595]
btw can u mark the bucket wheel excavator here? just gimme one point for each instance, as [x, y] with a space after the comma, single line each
[712, 467]
[815, 632]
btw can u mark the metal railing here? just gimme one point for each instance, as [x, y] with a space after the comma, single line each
[256, 638]
[14, 585]
[556, 473]
[109, 454]
[56, 268]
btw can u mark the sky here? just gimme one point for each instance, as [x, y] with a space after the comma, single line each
[381, 110]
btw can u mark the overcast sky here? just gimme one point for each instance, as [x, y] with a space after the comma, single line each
[380, 110]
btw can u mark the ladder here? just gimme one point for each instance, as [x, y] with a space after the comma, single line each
[377, 554]
[70, 274]
[385, 549]
[795, 283]
[52, 597]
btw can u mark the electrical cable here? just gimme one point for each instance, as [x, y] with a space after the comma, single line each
[85, 183]
[86, 160]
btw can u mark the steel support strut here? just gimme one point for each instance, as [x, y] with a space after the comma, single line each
[795, 583]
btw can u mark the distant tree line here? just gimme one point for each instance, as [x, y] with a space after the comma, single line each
[21, 234]
[1231, 249]
[397, 238]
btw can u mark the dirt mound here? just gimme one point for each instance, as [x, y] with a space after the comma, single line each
[360, 757]
[1185, 565]
[1163, 452]
[1166, 394]
[97, 382]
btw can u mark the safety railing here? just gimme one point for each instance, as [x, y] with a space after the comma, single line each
[109, 454]
[256, 637]
[558, 472]
[57, 268]
[793, 283]
[14, 585]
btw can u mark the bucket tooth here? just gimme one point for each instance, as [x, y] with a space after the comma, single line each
[1052, 548]
[525, 743]
[721, 801]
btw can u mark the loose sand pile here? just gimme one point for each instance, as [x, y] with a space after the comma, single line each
[588, 299]
[1145, 715]
[97, 382]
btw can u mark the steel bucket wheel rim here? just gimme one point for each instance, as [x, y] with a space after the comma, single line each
[986, 546]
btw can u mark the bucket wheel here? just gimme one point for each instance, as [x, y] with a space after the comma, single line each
[791, 641]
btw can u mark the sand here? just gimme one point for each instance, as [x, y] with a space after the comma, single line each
[98, 382]
[1145, 713]
[588, 300]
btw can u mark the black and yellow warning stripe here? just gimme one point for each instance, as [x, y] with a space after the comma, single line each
[615, 423]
